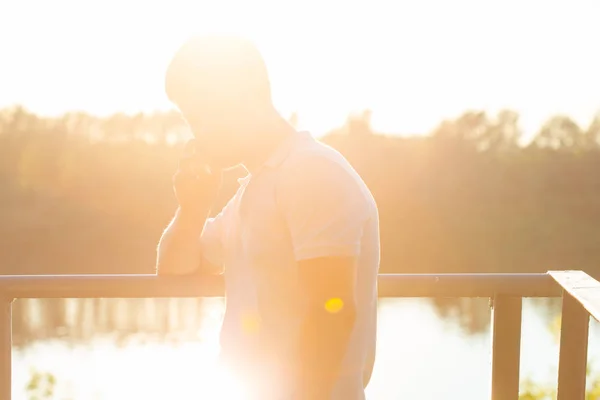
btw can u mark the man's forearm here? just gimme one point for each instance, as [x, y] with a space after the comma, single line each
[179, 246]
[324, 342]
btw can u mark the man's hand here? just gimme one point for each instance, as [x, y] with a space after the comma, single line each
[195, 185]
[196, 188]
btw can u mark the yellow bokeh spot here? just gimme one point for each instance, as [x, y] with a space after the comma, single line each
[251, 324]
[334, 305]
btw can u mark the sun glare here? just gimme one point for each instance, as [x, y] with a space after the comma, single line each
[326, 59]
[222, 386]
[334, 305]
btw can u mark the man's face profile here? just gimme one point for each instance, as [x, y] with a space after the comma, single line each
[220, 131]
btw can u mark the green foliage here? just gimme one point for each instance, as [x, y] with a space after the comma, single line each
[41, 385]
[531, 391]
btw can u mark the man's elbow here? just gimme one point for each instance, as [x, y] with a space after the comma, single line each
[176, 267]
[172, 268]
[171, 264]
[173, 261]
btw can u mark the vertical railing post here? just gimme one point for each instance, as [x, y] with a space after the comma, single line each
[506, 347]
[5, 348]
[572, 363]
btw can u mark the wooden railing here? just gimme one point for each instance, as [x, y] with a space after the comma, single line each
[581, 297]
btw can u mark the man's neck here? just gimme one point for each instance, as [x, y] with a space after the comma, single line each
[268, 138]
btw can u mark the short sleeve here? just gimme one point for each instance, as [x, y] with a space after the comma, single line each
[325, 206]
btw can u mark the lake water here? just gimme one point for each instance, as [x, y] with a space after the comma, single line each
[420, 356]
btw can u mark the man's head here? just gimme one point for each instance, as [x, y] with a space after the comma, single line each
[221, 86]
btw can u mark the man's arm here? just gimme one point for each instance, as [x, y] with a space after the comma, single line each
[326, 211]
[188, 245]
[192, 237]
[328, 284]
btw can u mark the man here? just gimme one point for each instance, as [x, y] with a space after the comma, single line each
[298, 244]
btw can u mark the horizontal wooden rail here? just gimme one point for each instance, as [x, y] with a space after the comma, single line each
[390, 285]
[506, 291]
[109, 286]
[467, 285]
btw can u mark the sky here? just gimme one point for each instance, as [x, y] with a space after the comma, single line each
[413, 63]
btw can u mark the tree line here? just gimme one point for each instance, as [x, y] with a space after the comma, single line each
[81, 194]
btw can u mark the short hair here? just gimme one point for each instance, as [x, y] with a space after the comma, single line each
[220, 65]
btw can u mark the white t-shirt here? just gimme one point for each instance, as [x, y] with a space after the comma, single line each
[306, 201]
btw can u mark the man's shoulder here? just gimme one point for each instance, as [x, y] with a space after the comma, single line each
[315, 157]
[318, 165]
